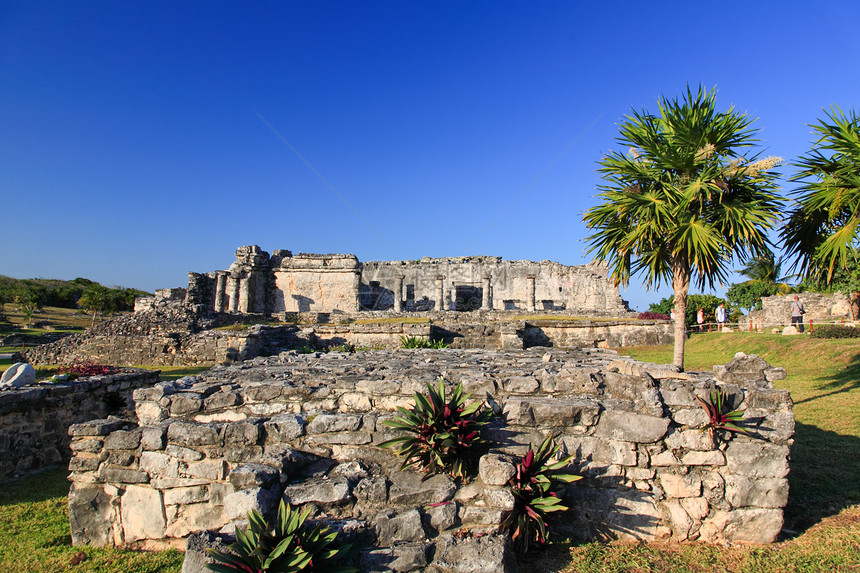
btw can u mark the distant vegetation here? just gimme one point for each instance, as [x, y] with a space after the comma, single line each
[33, 294]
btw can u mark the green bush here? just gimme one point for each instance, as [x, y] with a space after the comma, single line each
[286, 546]
[441, 432]
[835, 331]
[419, 342]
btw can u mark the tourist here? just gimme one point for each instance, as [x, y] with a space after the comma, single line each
[720, 314]
[700, 317]
[797, 313]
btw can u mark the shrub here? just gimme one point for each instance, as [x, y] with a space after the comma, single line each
[86, 368]
[723, 414]
[418, 342]
[835, 331]
[653, 316]
[444, 432]
[288, 545]
[535, 487]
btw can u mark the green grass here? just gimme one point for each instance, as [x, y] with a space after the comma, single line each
[824, 501]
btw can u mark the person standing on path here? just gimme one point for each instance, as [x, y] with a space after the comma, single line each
[720, 315]
[797, 314]
[700, 317]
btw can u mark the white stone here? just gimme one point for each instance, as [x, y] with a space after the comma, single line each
[17, 375]
[142, 513]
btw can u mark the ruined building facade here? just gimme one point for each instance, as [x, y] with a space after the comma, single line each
[283, 282]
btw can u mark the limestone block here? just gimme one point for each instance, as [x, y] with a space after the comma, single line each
[777, 426]
[92, 515]
[182, 453]
[341, 438]
[92, 445]
[150, 413]
[757, 459]
[403, 558]
[84, 462]
[665, 459]
[499, 498]
[443, 516]
[573, 381]
[352, 471]
[283, 428]
[675, 485]
[521, 385]
[17, 375]
[742, 491]
[239, 503]
[207, 469]
[185, 403]
[320, 490]
[96, 427]
[495, 469]
[551, 411]
[186, 495]
[220, 400]
[394, 527]
[408, 489]
[241, 433]
[696, 507]
[679, 521]
[143, 516]
[253, 475]
[478, 515]
[631, 427]
[744, 525]
[192, 434]
[115, 475]
[634, 515]
[790, 331]
[709, 458]
[196, 558]
[689, 440]
[601, 450]
[488, 554]
[691, 417]
[372, 490]
[355, 402]
[677, 393]
[152, 438]
[324, 423]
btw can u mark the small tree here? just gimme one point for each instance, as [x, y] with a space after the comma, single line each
[684, 201]
[96, 298]
[823, 228]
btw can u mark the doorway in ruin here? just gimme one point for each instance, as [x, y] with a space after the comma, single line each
[467, 297]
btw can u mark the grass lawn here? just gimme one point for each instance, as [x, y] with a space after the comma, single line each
[823, 508]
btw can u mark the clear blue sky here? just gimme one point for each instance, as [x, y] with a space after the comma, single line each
[142, 140]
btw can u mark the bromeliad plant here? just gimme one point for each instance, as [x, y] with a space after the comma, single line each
[535, 486]
[442, 431]
[287, 546]
[722, 415]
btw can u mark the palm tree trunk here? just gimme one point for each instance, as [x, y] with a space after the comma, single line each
[680, 286]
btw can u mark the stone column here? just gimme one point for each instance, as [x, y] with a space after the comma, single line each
[530, 293]
[398, 293]
[245, 295]
[234, 294]
[485, 293]
[220, 292]
[440, 292]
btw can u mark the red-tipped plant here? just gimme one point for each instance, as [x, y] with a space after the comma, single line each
[535, 486]
[721, 415]
[442, 431]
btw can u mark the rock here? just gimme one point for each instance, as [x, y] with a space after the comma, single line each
[631, 427]
[395, 528]
[17, 375]
[408, 489]
[323, 491]
[91, 511]
[239, 503]
[196, 557]
[324, 423]
[495, 469]
[488, 554]
[253, 475]
[137, 524]
[403, 558]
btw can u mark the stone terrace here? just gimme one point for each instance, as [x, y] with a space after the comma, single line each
[304, 427]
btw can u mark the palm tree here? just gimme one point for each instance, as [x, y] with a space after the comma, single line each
[765, 269]
[685, 201]
[823, 227]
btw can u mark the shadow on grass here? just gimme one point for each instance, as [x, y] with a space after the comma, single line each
[176, 373]
[823, 477]
[845, 380]
[47, 483]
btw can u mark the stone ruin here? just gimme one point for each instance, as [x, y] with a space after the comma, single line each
[283, 283]
[205, 449]
[335, 299]
[776, 310]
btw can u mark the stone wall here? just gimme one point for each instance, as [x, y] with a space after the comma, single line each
[305, 428]
[34, 420]
[776, 310]
[257, 283]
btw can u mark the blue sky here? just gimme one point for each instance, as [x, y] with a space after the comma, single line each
[139, 141]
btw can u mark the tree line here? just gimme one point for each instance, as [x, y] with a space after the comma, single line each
[33, 294]
[688, 196]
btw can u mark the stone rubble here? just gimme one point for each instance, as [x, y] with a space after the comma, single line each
[306, 427]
